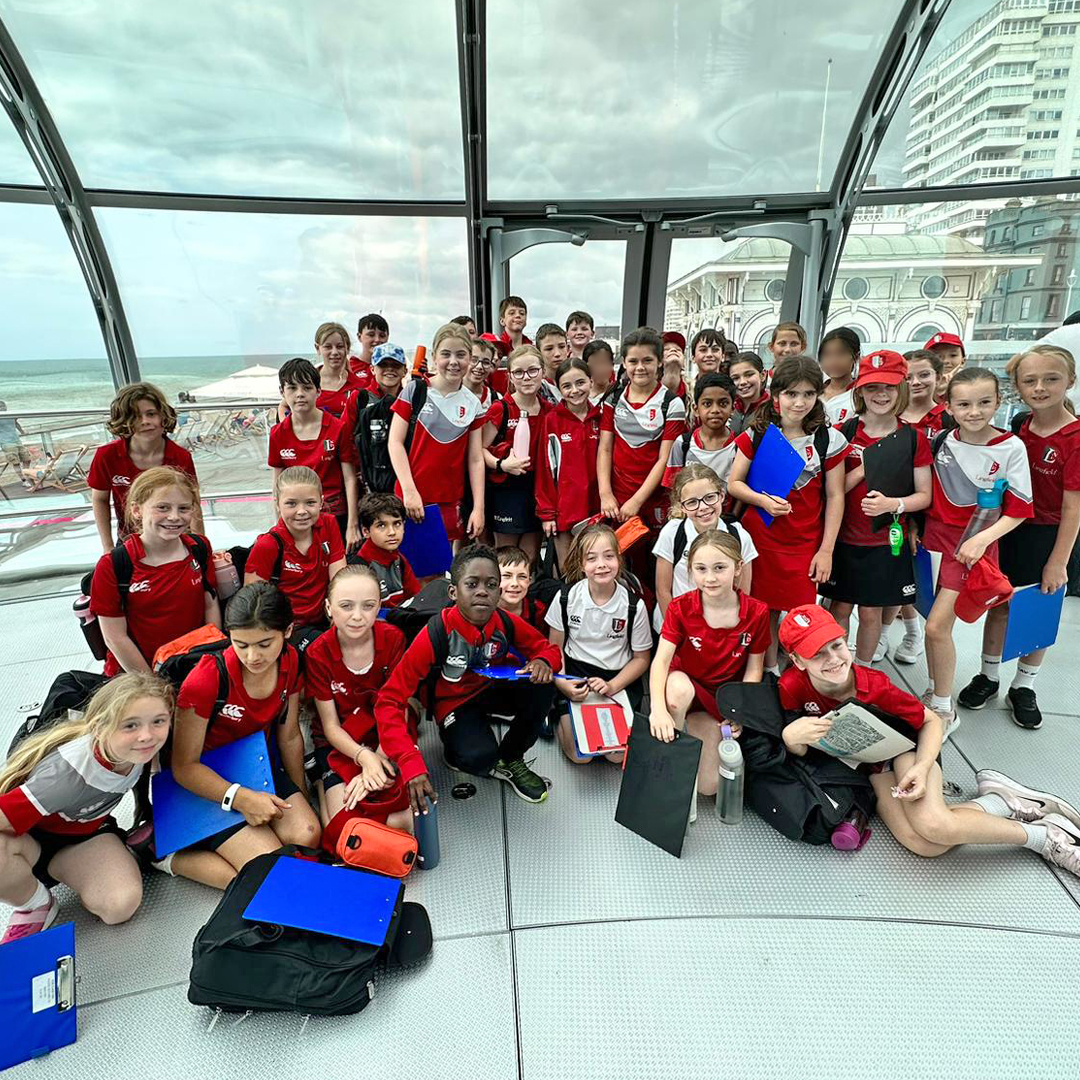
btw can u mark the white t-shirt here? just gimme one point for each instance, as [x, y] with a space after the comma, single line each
[664, 548]
[598, 634]
[840, 408]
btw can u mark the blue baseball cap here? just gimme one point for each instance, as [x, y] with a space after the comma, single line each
[388, 351]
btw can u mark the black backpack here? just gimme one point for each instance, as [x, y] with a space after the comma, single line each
[633, 588]
[371, 435]
[241, 966]
[412, 616]
[240, 556]
[547, 584]
[69, 690]
[123, 567]
[681, 542]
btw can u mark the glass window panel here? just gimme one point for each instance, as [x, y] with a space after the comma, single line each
[15, 164]
[208, 294]
[555, 279]
[992, 101]
[735, 286]
[320, 99]
[690, 99]
[995, 295]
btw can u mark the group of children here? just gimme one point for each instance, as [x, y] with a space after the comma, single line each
[670, 575]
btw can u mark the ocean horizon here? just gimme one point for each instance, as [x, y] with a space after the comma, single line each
[28, 385]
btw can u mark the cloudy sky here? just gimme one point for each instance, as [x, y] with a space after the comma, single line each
[330, 98]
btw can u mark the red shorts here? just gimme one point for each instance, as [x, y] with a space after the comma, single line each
[703, 696]
[451, 515]
[944, 539]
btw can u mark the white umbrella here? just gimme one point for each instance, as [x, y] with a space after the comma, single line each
[257, 383]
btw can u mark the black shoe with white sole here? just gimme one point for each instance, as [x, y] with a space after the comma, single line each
[977, 692]
[1024, 707]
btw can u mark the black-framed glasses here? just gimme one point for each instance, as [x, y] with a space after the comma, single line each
[526, 373]
[710, 498]
[482, 361]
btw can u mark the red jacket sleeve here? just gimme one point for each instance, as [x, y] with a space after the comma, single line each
[392, 704]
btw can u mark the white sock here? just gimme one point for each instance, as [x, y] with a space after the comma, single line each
[775, 670]
[994, 804]
[1036, 837]
[991, 667]
[1025, 676]
[940, 704]
[40, 898]
[911, 628]
[164, 865]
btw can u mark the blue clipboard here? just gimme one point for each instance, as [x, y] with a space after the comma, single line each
[334, 900]
[924, 581]
[37, 994]
[426, 544]
[510, 672]
[182, 818]
[1034, 617]
[775, 467]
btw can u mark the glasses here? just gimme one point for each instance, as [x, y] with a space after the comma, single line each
[711, 498]
[483, 362]
[525, 373]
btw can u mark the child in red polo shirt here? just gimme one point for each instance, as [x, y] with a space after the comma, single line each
[142, 419]
[707, 352]
[337, 383]
[909, 788]
[925, 381]
[371, 331]
[747, 372]
[318, 440]
[382, 525]
[345, 669]
[432, 452]
[950, 348]
[515, 570]
[711, 636]
[638, 426]
[471, 634]
[262, 672]
[600, 361]
[301, 553]
[172, 588]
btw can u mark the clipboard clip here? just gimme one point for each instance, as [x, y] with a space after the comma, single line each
[65, 983]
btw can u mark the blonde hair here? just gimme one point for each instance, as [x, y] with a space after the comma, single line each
[794, 327]
[105, 712]
[328, 328]
[722, 541]
[353, 570]
[687, 474]
[582, 544]
[1012, 368]
[525, 350]
[903, 399]
[451, 330]
[124, 413]
[146, 483]
[296, 474]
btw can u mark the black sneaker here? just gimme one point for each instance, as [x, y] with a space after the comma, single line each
[1025, 709]
[547, 727]
[977, 692]
[526, 784]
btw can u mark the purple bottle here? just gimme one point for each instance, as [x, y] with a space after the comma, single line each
[851, 834]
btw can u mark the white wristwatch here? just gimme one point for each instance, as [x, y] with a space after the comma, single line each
[229, 797]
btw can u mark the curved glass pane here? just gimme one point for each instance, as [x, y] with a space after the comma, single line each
[994, 99]
[15, 164]
[209, 294]
[319, 99]
[690, 99]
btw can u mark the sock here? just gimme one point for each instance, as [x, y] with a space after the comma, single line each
[991, 666]
[775, 669]
[1025, 676]
[994, 804]
[164, 865]
[39, 899]
[940, 704]
[1036, 837]
[911, 628]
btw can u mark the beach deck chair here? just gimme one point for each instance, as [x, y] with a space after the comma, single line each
[63, 470]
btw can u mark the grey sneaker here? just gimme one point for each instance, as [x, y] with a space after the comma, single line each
[1062, 843]
[524, 782]
[1027, 804]
[927, 696]
[909, 650]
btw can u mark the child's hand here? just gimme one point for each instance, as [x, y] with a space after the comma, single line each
[630, 508]
[539, 671]
[355, 790]
[375, 774]
[661, 726]
[972, 550]
[476, 524]
[259, 807]
[609, 507]
[1054, 575]
[574, 689]
[414, 505]
[806, 731]
[776, 507]
[551, 528]
[420, 790]
[912, 785]
[821, 567]
[875, 503]
[600, 686]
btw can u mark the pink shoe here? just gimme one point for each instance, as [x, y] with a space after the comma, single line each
[24, 923]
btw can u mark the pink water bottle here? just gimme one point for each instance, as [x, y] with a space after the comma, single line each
[228, 578]
[521, 437]
[852, 834]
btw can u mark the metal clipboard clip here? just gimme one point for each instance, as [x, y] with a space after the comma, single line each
[65, 983]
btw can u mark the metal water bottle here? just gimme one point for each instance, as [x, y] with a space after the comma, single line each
[987, 510]
[426, 828]
[729, 794]
[228, 577]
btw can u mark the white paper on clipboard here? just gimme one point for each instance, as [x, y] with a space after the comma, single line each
[601, 724]
[858, 737]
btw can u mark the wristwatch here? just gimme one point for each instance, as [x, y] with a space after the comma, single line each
[229, 797]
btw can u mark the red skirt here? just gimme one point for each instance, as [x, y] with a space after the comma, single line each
[781, 578]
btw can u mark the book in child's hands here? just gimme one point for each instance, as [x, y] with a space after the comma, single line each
[601, 724]
[861, 737]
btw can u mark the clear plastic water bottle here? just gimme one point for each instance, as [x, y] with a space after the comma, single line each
[729, 794]
[987, 510]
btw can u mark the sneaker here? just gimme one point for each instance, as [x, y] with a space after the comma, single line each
[909, 650]
[1024, 707]
[1026, 804]
[24, 923]
[927, 696]
[1062, 843]
[951, 722]
[881, 651]
[977, 692]
[547, 728]
[526, 784]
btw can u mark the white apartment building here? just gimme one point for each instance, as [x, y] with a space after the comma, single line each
[999, 102]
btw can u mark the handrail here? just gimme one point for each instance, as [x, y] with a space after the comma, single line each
[60, 511]
[103, 412]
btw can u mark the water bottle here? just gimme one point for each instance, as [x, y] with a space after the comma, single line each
[228, 578]
[729, 795]
[521, 437]
[90, 627]
[852, 833]
[426, 827]
[987, 510]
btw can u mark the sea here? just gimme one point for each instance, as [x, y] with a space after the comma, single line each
[27, 385]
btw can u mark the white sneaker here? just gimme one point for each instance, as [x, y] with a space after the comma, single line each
[881, 651]
[927, 696]
[1026, 804]
[1062, 843]
[909, 650]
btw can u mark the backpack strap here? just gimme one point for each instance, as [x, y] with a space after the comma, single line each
[200, 548]
[849, 427]
[631, 614]
[821, 444]
[939, 438]
[223, 686]
[564, 607]
[123, 569]
[678, 546]
[665, 403]
[279, 559]
[687, 439]
[417, 402]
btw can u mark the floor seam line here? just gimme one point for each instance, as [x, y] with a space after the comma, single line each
[513, 944]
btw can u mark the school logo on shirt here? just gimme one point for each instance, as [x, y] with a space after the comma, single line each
[121, 481]
[288, 454]
[233, 712]
[491, 650]
[1049, 455]
[296, 568]
[744, 640]
[461, 412]
[696, 642]
[652, 415]
[801, 620]
[618, 626]
[338, 688]
[994, 466]
[328, 445]
[139, 586]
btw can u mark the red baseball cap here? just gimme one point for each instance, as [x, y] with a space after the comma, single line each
[806, 628]
[985, 587]
[945, 339]
[674, 336]
[883, 366]
[502, 348]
